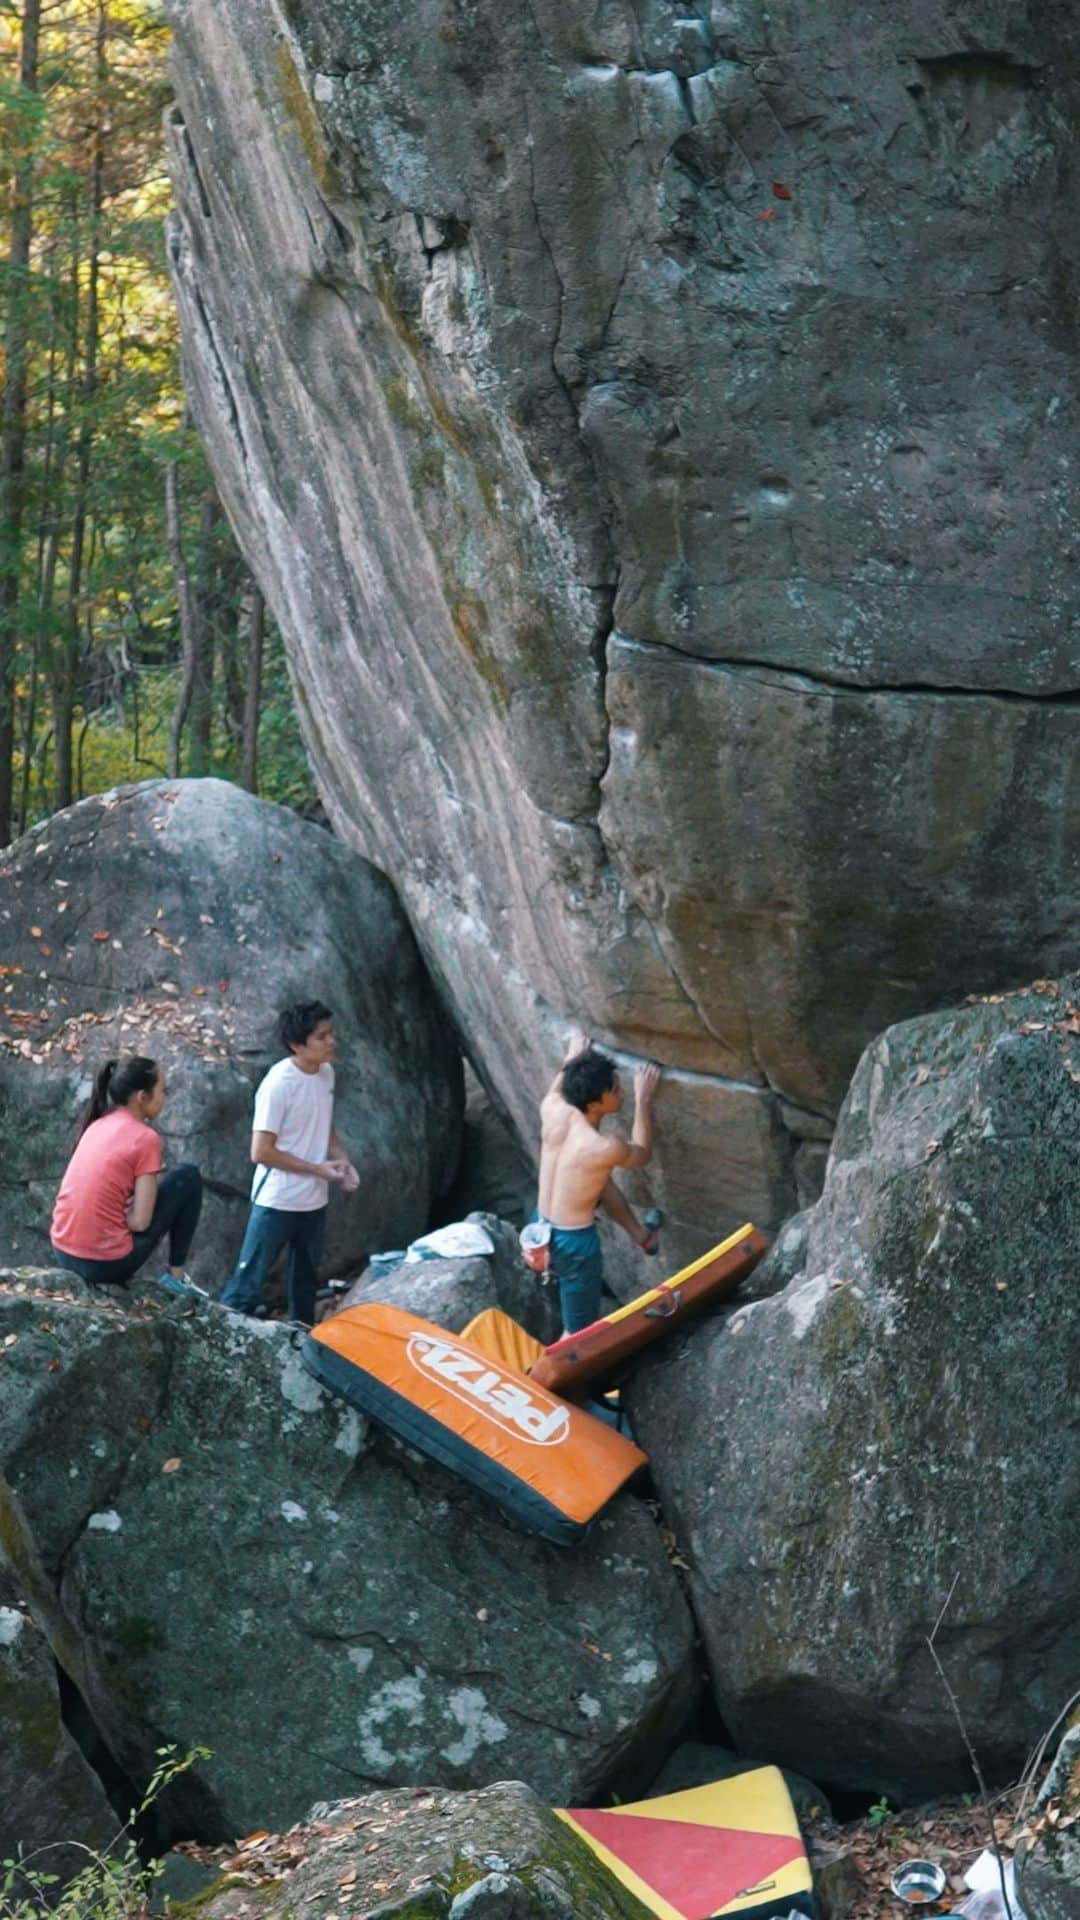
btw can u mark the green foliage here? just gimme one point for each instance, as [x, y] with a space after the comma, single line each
[879, 1813]
[114, 1885]
[92, 651]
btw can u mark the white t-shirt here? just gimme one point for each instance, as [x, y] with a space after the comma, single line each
[299, 1108]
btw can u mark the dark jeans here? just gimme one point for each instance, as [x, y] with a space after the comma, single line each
[269, 1231]
[176, 1213]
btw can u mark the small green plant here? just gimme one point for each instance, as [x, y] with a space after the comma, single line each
[879, 1813]
[114, 1885]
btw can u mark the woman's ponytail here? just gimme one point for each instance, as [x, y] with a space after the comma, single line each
[114, 1086]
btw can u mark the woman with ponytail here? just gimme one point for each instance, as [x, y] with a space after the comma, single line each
[114, 1203]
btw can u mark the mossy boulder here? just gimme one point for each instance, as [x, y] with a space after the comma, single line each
[897, 1427]
[176, 919]
[224, 1555]
[1048, 1863]
[52, 1804]
[499, 1854]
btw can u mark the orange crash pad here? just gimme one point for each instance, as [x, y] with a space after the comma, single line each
[597, 1354]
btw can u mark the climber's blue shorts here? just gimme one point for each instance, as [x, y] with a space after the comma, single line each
[577, 1263]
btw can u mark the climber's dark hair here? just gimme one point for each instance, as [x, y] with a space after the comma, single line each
[114, 1084]
[295, 1023]
[587, 1077]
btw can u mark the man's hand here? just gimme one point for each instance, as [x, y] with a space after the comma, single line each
[352, 1179]
[646, 1081]
[577, 1043]
[332, 1170]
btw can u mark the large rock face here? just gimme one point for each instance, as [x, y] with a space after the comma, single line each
[655, 429]
[52, 1804]
[222, 1554]
[176, 919]
[897, 1428]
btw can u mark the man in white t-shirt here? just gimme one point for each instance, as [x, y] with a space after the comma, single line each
[297, 1157]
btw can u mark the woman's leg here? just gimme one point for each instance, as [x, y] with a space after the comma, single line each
[176, 1213]
[100, 1273]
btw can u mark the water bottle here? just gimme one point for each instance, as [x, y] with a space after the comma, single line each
[653, 1220]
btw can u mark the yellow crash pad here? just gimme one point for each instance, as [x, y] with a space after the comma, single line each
[495, 1333]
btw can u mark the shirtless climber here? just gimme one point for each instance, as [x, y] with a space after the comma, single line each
[577, 1161]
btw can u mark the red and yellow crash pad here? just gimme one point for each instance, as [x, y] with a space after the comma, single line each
[597, 1354]
[732, 1847]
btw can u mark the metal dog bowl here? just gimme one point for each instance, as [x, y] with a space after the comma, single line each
[918, 1883]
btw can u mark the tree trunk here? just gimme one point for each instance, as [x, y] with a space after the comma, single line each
[65, 687]
[13, 411]
[186, 611]
[206, 597]
[249, 757]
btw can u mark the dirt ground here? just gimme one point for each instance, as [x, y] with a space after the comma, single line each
[951, 1832]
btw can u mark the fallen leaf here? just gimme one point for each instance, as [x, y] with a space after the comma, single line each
[347, 1879]
[767, 213]
[931, 1147]
[54, 1366]
[173, 1465]
[781, 192]
[1003, 1286]
[47, 951]
[922, 1075]
[102, 934]
[35, 933]
[145, 1423]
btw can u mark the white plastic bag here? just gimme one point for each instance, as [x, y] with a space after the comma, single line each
[462, 1240]
[984, 1902]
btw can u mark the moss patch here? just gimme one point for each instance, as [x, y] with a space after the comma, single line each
[302, 114]
[470, 619]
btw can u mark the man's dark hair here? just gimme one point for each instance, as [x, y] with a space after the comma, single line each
[295, 1023]
[587, 1077]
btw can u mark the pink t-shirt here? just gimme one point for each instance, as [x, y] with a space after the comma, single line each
[95, 1192]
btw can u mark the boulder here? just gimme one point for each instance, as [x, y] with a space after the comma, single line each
[1048, 1861]
[696, 1764]
[176, 919]
[224, 1555]
[896, 1429]
[453, 1292]
[495, 1174]
[590, 386]
[53, 1806]
[499, 1854]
